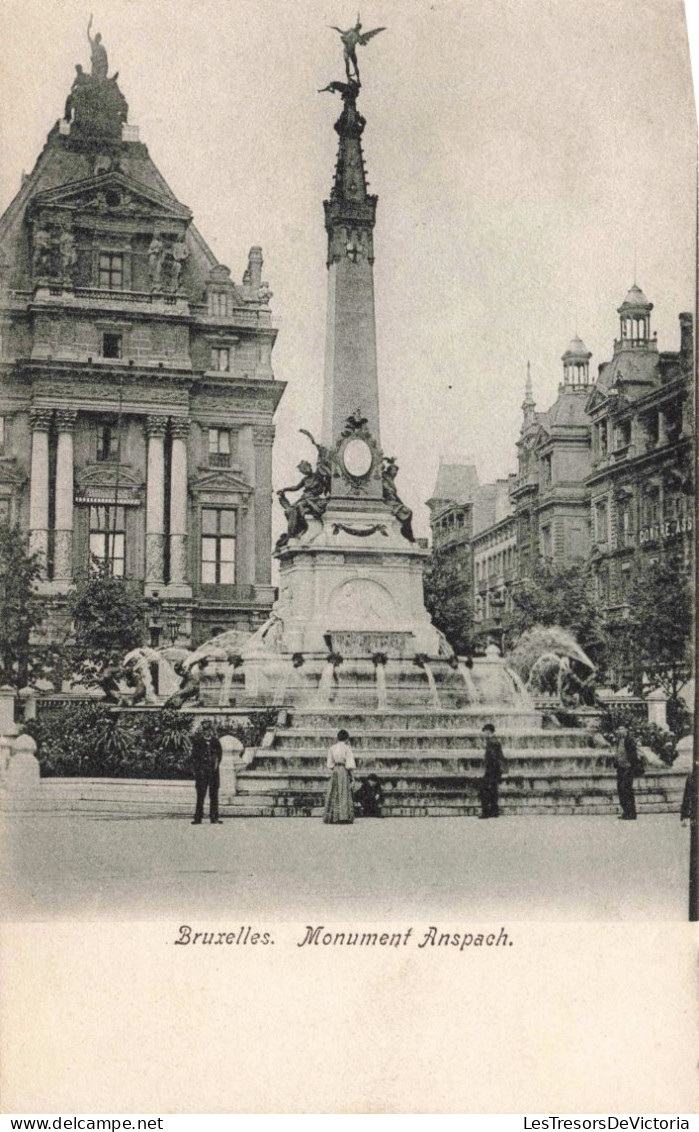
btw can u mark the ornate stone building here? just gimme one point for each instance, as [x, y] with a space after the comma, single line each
[136, 386]
[472, 531]
[549, 495]
[640, 483]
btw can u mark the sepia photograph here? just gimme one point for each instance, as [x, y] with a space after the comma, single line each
[346, 460]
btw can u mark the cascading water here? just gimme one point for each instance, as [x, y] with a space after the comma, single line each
[325, 684]
[433, 685]
[381, 694]
[279, 694]
[473, 693]
[519, 686]
[226, 687]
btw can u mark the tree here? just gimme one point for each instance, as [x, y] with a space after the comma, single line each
[561, 595]
[110, 618]
[21, 608]
[448, 603]
[659, 628]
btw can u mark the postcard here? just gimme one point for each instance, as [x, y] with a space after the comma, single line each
[347, 504]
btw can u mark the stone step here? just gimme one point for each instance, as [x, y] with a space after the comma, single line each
[309, 738]
[505, 719]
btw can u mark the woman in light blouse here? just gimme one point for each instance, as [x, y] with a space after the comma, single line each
[339, 805]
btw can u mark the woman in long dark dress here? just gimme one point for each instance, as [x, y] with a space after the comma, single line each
[339, 805]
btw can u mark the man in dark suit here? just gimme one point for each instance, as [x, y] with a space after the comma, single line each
[206, 759]
[626, 762]
[495, 770]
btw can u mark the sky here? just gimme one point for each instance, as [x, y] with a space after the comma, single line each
[525, 153]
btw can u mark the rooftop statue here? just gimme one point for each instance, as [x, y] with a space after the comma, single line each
[98, 54]
[351, 39]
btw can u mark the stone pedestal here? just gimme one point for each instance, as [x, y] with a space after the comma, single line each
[231, 762]
[7, 710]
[23, 773]
[354, 573]
[657, 708]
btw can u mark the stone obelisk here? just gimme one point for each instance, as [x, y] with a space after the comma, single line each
[350, 569]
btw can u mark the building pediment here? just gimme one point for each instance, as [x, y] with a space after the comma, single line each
[595, 399]
[100, 483]
[111, 194]
[219, 482]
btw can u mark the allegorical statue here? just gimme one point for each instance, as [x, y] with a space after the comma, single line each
[314, 487]
[351, 39]
[98, 53]
[403, 514]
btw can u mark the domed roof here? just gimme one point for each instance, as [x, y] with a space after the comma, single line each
[635, 300]
[577, 349]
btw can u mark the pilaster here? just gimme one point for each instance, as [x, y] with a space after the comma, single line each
[39, 484]
[263, 438]
[179, 429]
[63, 535]
[155, 500]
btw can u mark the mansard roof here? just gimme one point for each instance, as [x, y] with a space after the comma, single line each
[456, 483]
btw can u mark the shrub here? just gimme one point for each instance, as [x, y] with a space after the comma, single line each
[96, 741]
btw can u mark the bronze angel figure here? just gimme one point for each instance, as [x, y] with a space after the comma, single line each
[351, 39]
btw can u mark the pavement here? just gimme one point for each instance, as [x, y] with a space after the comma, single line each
[81, 866]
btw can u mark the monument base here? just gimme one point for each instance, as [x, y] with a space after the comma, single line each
[353, 584]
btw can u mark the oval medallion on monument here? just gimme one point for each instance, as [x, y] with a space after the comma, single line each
[357, 457]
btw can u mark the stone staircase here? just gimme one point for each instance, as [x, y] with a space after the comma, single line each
[430, 763]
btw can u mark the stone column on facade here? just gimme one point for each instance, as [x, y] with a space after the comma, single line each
[39, 485]
[248, 514]
[662, 428]
[263, 436]
[63, 537]
[178, 503]
[155, 500]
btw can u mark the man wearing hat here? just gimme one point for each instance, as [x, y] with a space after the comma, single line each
[206, 759]
[495, 770]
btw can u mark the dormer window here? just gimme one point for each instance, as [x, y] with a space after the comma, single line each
[111, 270]
[220, 304]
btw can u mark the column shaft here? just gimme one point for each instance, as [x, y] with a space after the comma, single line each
[155, 500]
[39, 485]
[178, 504]
[63, 544]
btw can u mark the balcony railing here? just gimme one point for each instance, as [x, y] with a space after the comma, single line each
[219, 459]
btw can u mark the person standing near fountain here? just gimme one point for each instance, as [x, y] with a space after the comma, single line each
[495, 771]
[627, 763]
[339, 804]
[206, 759]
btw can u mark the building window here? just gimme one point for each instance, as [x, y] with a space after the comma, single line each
[221, 359]
[546, 471]
[3, 434]
[111, 271]
[217, 546]
[107, 537]
[5, 510]
[546, 542]
[107, 443]
[626, 525]
[219, 448]
[111, 345]
[601, 522]
[651, 508]
[220, 304]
